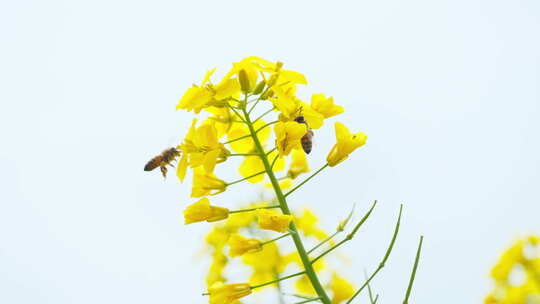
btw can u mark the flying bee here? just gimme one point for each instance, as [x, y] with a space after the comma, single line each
[162, 160]
[307, 139]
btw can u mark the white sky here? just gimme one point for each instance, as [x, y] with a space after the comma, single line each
[448, 92]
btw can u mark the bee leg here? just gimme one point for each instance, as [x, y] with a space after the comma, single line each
[163, 171]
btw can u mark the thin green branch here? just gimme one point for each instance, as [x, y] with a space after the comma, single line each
[275, 239]
[323, 242]
[413, 274]
[244, 154]
[385, 258]
[308, 300]
[253, 209]
[236, 139]
[339, 229]
[237, 114]
[274, 162]
[263, 114]
[270, 151]
[279, 279]
[306, 180]
[257, 101]
[349, 236]
[245, 178]
[266, 125]
[370, 292]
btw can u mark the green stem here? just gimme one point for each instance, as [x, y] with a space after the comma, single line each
[236, 139]
[370, 292]
[306, 180]
[263, 114]
[244, 154]
[266, 125]
[413, 274]
[349, 236]
[269, 152]
[385, 258]
[245, 178]
[324, 241]
[254, 209]
[273, 240]
[308, 300]
[309, 270]
[237, 114]
[258, 99]
[279, 279]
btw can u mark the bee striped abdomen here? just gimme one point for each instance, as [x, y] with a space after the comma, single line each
[307, 141]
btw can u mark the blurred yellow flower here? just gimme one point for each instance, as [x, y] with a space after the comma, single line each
[303, 286]
[517, 274]
[299, 163]
[288, 135]
[307, 223]
[266, 264]
[203, 211]
[206, 184]
[341, 289]
[271, 220]
[226, 293]
[218, 264]
[346, 143]
[240, 245]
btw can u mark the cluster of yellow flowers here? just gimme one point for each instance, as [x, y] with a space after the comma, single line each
[264, 256]
[233, 117]
[517, 274]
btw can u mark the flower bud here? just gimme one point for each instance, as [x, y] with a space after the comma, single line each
[241, 245]
[259, 88]
[244, 81]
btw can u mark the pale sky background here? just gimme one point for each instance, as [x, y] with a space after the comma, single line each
[448, 92]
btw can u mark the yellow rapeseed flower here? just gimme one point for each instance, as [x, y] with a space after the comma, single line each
[250, 166]
[253, 164]
[272, 220]
[203, 211]
[346, 143]
[266, 264]
[299, 164]
[507, 261]
[284, 184]
[307, 223]
[523, 258]
[206, 95]
[325, 106]
[226, 293]
[217, 266]
[341, 289]
[224, 119]
[246, 145]
[206, 184]
[240, 245]
[288, 135]
[303, 286]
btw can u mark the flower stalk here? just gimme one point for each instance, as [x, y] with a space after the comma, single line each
[309, 270]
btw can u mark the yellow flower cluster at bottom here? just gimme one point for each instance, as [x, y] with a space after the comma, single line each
[517, 274]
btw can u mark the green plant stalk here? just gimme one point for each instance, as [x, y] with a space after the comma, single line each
[278, 280]
[385, 258]
[310, 271]
[413, 274]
